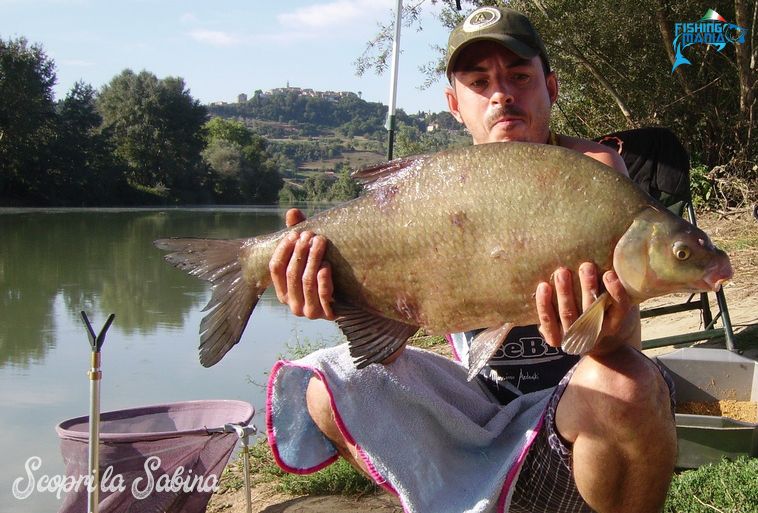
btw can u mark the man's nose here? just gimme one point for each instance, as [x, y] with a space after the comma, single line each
[502, 95]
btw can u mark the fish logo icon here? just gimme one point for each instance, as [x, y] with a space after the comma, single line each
[712, 29]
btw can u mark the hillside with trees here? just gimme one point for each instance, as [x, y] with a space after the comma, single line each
[144, 140]
[141, 139]
[318, 137]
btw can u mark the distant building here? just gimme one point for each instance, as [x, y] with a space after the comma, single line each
[242, 98]
[327, 95]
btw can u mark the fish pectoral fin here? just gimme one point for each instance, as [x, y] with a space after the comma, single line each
[371, 338]
[582, 336]
[484, 346]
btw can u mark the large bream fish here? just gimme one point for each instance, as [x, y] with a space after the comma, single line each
[459, 240]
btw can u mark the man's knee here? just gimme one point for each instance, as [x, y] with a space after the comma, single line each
[319, 407]
[617, 413]
[623, 392]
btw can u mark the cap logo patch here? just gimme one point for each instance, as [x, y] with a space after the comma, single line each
[481, 19]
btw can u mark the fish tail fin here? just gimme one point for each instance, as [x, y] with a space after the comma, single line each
[234, 294]
[582, 336]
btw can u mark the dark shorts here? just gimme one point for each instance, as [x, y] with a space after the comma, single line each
[546, 481]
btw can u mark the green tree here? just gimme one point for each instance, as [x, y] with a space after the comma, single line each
[27, 119]
[225, 161]
[317, 188]
[228, 130]
[84, 171]
[157, 128]
[409, 141]
[243, 170]
[344, 188]
[291, 193]
[615, 72]
[260, 179]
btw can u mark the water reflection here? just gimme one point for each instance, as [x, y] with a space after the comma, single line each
[103, 258]
[53, 264]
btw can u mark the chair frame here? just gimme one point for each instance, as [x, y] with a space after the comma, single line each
[627, 145]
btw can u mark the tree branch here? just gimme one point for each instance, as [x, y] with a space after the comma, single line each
[743, 53]
[574, 51]
[667, 38]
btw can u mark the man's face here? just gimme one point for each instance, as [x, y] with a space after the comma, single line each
[500, 96]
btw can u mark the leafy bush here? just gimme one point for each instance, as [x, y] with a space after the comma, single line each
[701, 186]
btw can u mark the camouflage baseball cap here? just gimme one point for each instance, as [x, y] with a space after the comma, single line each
[510, 28]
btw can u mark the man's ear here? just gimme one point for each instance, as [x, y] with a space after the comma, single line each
[552, 86]
[452, 103]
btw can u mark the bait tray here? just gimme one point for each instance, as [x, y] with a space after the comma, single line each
[707, 375]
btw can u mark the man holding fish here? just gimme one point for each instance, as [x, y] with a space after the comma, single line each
[502, 244]
[608, 441]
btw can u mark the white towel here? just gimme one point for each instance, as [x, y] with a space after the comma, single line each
[440, 443]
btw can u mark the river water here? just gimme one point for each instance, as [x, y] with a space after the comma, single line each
[56, 263]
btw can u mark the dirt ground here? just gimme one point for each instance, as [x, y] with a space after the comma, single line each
[266, 500]
[737, 233]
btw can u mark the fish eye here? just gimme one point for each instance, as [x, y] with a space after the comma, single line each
[681, 251]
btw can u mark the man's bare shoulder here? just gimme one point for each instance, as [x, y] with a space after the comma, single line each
[599, 152]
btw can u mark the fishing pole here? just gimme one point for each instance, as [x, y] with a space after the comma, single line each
[390, 126]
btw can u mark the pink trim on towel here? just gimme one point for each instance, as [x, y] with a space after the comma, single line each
[271, 436]
[375, 475]
[514, 470]
[449, 339]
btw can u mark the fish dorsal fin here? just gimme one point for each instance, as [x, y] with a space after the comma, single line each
[581, 337]
[484, 346]
[371, 338]
[376, 176]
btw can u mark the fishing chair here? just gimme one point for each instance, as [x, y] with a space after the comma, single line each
[658, 162]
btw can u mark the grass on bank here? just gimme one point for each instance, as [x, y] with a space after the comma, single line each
[338, 478]
[728, 487]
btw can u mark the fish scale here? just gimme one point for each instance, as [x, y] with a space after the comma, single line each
[459, 240]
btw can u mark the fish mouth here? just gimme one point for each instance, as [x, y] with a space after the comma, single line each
[718, 275]
[715, 287]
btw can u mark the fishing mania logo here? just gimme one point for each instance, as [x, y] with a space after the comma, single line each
[711, 29]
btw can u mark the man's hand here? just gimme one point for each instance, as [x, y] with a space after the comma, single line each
[301, 277]
[621, 325]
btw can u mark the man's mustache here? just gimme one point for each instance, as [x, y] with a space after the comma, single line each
[498, 112]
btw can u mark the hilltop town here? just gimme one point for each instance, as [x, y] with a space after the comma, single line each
[332, 96]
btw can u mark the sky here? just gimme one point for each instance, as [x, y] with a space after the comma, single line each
[225, 47]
